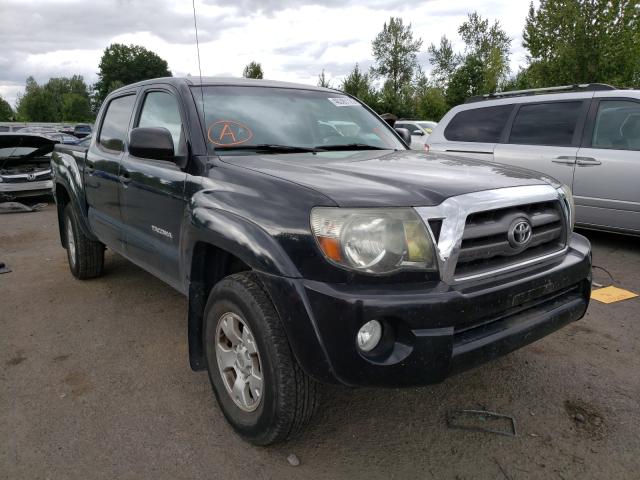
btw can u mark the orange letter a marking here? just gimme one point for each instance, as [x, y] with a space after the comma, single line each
[226, 130]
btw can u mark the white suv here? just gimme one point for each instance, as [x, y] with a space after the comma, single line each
[586, 136]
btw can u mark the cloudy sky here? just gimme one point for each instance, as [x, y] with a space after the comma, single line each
[293, 39]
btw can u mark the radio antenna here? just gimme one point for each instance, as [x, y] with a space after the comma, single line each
[195, 24]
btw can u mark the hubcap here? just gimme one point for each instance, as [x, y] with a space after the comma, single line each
[239, 361]
[71, 242]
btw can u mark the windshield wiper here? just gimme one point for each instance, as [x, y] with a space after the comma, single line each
[272, 148]
[351, 146]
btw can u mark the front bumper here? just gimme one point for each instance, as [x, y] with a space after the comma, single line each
[432, 329]
[26, 189]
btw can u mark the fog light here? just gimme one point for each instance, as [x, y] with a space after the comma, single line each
[369, 335]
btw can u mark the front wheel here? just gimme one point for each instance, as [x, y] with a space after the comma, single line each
[86, 256]
[261, 389]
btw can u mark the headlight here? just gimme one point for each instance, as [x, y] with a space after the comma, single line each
[376, 241]
[565, 192]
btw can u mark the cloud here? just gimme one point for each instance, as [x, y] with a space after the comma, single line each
[293, 39]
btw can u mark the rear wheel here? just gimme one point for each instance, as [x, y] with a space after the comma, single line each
[261, 389]
[86, 256]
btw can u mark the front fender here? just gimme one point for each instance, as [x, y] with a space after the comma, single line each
[67, 180]
[237, 236]
[207, 223]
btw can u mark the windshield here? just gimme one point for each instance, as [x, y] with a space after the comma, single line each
[239, 117]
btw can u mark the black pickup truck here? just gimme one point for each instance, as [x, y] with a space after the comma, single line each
[312, 244]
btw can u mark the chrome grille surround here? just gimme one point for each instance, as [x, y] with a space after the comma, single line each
[453, 213]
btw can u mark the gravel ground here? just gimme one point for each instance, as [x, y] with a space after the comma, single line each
[95, 383]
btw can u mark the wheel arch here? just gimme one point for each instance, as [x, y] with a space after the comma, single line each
[216, 244]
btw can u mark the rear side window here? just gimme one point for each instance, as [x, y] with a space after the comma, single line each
[116, 123]
[478, 125]
[546, 124]
[617, 125]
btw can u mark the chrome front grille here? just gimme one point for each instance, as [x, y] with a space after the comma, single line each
[486, 244]
[491, 232]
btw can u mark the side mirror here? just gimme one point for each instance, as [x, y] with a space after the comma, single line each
[152, 143]
[419, 133]
[404, 134]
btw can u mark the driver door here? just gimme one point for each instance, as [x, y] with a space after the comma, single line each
[153, 191]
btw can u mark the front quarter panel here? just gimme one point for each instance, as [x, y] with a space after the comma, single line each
[261, 219]
[67, 164]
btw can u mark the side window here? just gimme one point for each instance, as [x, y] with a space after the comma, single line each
[160, 109]
[483, 125]
[617, 125]
[116, 122]
[546, 124]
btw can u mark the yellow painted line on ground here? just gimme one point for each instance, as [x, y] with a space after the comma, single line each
[611, 294]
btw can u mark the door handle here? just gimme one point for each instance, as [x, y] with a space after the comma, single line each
[565, 160]
[89, 166]
[587, 161]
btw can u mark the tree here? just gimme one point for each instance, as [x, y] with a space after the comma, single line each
[490, 45]
[252, 70]
[60, 99]
[467, 80]
[322, 80]
[6, 112]
[582, 41]
[76, 108]
[359, 85]
[124, 64]
[432, 104]
[395, 54]
[36, 104]
[444, 61]
[482, 67]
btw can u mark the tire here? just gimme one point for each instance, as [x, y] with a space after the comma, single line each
[86, 256]
[287, 397]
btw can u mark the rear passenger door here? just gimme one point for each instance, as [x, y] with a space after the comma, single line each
[545, 137]
[474, 132]
[607, 178]
[101, 172]
[152, 191]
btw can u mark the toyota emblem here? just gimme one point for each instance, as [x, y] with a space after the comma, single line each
[520, 233]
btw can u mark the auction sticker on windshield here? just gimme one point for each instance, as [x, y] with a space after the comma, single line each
[228, 133]
[343, 102]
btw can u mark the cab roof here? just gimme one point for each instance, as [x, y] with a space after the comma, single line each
[227, 81]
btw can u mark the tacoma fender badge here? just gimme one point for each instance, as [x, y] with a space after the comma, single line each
[162, 231]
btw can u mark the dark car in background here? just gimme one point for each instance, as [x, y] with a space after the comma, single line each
[82, 130]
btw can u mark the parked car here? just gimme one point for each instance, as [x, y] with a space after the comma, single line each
[586, 136]
[315, 253]
[82, 130]
[51, 133]
[25, 168]
[419, 130]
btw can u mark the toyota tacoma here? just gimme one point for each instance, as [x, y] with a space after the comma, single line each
[312, 244]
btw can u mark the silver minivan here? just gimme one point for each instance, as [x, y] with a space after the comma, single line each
[586, 136]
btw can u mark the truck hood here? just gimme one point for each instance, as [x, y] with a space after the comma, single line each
[388, 178]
